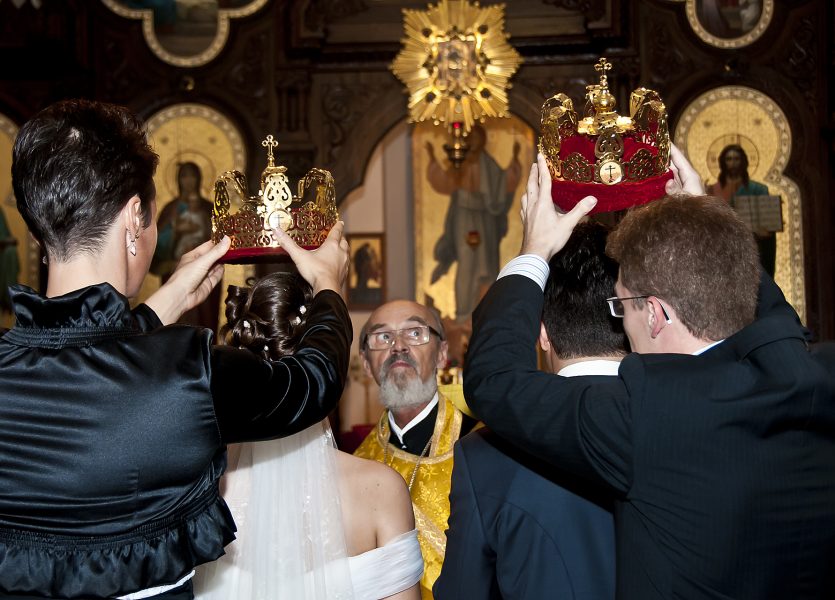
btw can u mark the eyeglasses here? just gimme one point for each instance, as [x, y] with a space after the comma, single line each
[616, 306]
[411, 336]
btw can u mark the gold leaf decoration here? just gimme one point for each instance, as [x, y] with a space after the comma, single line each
[456, 63]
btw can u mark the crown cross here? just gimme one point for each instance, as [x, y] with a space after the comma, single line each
[602, 66]
[269, 144]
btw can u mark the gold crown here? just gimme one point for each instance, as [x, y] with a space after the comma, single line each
[605, 147]
[307, 221]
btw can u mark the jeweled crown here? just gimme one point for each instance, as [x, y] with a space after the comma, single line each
[622, 160]
[307, 220]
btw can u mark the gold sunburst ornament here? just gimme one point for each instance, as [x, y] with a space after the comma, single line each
[456, 63]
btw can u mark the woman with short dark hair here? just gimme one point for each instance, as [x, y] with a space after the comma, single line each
[112, 427]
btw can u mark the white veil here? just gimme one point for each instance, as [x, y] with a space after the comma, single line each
[291, 544]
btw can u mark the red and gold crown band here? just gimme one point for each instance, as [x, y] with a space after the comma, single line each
[250, 228]
[623, 161]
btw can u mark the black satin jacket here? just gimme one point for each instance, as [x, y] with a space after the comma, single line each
[113, 433]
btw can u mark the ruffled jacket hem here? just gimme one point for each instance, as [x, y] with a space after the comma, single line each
[158, 553]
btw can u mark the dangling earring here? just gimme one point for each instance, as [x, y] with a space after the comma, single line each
[132, 244]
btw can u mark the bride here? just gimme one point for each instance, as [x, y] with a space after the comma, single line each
[313, 522]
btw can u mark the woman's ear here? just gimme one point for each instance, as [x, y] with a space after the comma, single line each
[132, 215]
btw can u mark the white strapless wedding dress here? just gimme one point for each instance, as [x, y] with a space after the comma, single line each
[384, 571]
[291, 543]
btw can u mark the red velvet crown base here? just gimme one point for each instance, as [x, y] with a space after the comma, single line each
[248, 256]
[566, 194]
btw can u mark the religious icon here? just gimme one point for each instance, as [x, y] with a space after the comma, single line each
[183, 224]
[611, 172]
[463, 236]
[729, 18]
[194, 142]
[734, 184]
[480, 195]
[729, 23]
[185, 33]
[711, 131]
[9, 264]
[19, 254]
[367, 276]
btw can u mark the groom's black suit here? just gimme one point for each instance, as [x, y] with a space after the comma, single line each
[518, 530]
[722, 465]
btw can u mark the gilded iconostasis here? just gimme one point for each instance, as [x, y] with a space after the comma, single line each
[213, 77]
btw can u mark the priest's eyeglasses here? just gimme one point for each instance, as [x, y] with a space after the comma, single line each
[616, 306]
[411, 336]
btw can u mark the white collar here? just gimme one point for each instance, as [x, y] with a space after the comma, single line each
[598, 366]
[708, 347]
[418, 418]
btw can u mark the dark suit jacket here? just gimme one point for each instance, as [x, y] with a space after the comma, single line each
[514, 532]
[722, 465]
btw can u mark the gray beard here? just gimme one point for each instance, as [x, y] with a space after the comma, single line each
[412, 392]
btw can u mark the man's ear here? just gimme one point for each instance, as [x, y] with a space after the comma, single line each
[656, 319]
[544, 342]
[366, 365]
[443, 354]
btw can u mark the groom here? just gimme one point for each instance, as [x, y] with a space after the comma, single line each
[519, 528]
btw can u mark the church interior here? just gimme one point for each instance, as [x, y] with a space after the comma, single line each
[213, 78]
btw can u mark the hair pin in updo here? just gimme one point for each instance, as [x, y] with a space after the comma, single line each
[297, 320]
[246, 324]
[302, 309]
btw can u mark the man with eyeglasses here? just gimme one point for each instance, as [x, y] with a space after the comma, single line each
[716, 440]
[402, 346]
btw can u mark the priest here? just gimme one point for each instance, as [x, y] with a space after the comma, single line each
[402, 345]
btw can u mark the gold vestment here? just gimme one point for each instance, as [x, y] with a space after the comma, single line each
[432, 479]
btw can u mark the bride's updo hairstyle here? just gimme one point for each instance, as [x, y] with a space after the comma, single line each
[268, 316]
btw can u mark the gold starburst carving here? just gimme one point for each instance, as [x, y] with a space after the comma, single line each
[456, 63]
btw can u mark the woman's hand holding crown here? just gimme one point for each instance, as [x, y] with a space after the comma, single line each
[324, 268]
[197, 273]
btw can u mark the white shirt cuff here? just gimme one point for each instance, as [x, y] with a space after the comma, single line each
[532, 266]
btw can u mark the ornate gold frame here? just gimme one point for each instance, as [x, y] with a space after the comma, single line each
[197, 148]
[710, 118]
[728, 43]
[167, 185]
[30, 255]
[456, 61]
[225, 15]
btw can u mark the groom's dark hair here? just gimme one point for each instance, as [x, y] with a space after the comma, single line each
[575, 315]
